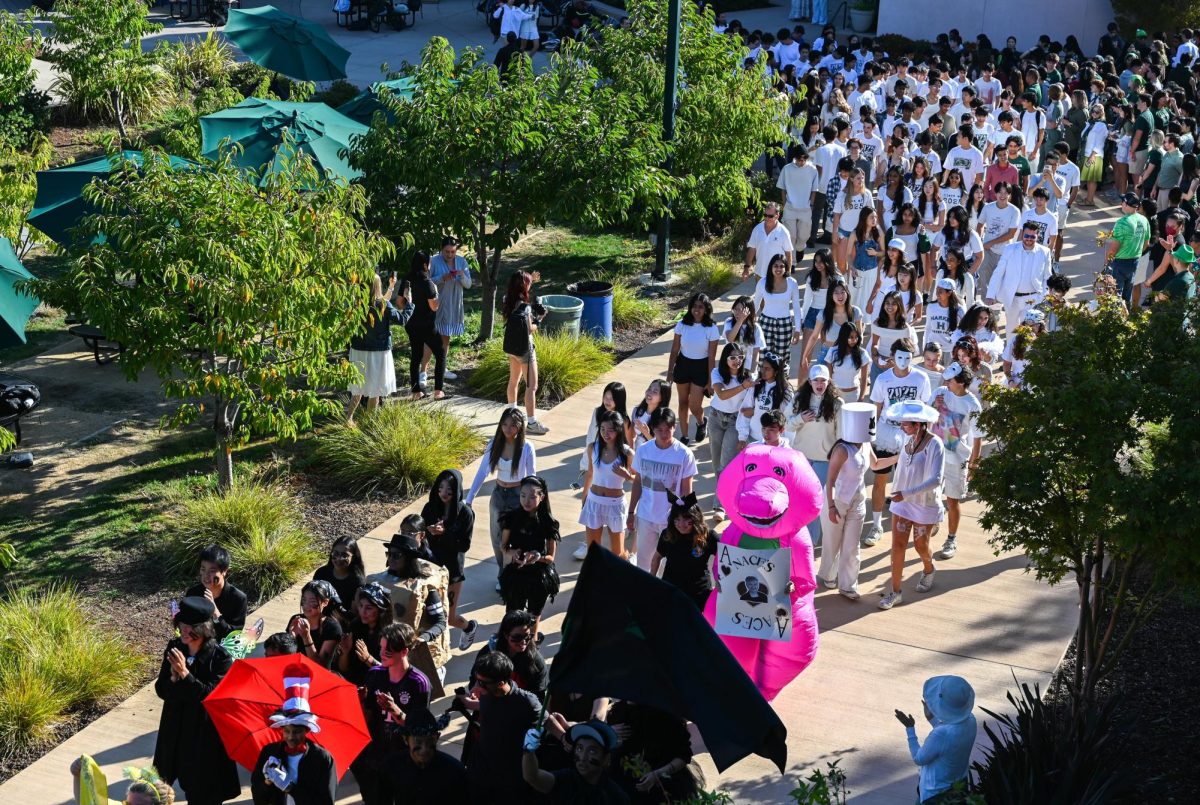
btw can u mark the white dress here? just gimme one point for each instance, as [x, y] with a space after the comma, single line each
[529, 28]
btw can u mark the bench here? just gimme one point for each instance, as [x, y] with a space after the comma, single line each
[103, 350]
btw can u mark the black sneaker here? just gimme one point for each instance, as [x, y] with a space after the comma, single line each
[701, 430]
[685, 441]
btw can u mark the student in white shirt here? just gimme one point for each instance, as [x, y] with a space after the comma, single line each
[943, 314]
[988, 87]
[1033, 127]
[957, 426]
[742, 328]
[798, 181]
[771, 392]
[954, 268]
[891, 325]
[661, 465]
[1068, 172]
[816, 288]
[965, 157]
[777, 302]
[998, 224]
[1016, 353]
[853, 199]
[731, 382]
[693, 357]
[979, 323]
[848, 362]
[768, 238]
[1046, 221]
[813, 425]
[826, 159]
[954, 189]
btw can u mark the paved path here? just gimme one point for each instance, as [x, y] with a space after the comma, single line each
[987, 620]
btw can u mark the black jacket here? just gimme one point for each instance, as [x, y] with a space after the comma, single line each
[232, 605]
[188, 747]
[316, 777]
[459, 523]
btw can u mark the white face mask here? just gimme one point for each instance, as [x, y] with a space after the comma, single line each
[902, 359]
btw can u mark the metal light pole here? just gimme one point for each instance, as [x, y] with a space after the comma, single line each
[662, 262]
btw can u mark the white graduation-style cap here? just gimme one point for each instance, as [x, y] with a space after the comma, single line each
[858, 422]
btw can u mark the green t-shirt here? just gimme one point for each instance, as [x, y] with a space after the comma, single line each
[1170, 170]
[1133, 233]
[1022, 166]
[1181, 286]
[1144, 123]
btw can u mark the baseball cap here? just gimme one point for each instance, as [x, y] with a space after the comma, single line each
[1132, 199]
[945, 284]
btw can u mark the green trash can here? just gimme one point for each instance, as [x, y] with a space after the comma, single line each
[563, 314]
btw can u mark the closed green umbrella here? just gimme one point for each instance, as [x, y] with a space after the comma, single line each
[363, 106]
[259, 125]
[15, 306]
[59, 205]
[297, 48]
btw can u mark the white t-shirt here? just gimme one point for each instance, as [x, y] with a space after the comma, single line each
[850, 207]
[1047, 224]
[732, 405]
[782, 305]
[966, 291]
[929, 212]
[968, 160]
[889, 208]
[972, 247]
[661, 470]
[1016, 372]
[989, 91]
[751, 350]
[889, 389]
[826, 159]
[695, 338]
[845, 373]
[749, 428]
[957, 427]
[1068, 171]
[934, 160]
[996, 221]
[888, 337]
[952, 196]
[937, 325]
[1000, 137]
[768, 244]
[797, 182]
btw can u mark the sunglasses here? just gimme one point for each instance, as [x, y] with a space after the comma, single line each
[768, 215]
[1029, 236]
[520, 638]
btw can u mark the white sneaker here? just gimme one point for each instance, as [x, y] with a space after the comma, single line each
[536, 428]
[581, 551]
[468, 635]
[497, 585]
[891, 599]
[718, 515]
[949, 548]
[830, 584]
[422, 379]
[448, 375]
[925, 583]
[848, 594]
[633, 559]
[871, 535]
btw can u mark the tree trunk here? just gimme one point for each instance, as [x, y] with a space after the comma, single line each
[119, 110]
[223, 422]
[489, 275]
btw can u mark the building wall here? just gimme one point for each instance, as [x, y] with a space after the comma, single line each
[999, 19]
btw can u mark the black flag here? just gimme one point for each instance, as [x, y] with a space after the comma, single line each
[632, 636]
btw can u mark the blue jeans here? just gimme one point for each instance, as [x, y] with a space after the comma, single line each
[1122, 271]
[821, 468]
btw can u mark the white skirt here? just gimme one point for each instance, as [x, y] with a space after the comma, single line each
[602, 512]
[378, 371]
[529, 30]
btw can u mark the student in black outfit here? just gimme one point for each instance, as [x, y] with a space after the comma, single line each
[529, 536]
[359, 646]
[228, 601]
[316, 628]
[422, 334]
[449, 522]
[688, 546]
[505, 714]
[515, 640]
[345, 571]
[587, 779]
[294, 771]
[188, 748]
[660, 741]
[420, 771]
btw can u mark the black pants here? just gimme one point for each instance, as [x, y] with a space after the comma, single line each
[418, 339]
[820, 204]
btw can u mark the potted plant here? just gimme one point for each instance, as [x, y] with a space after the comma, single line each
[862, 15]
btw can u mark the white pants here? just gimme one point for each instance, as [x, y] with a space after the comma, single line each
[839, 543]
[645, 543]
[1014, 312]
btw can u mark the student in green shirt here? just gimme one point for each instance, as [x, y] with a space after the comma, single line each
[1183, 284]
[1018, 161]
[1129, 237]
[1170, 170]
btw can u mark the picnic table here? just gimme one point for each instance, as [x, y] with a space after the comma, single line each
[104, 350]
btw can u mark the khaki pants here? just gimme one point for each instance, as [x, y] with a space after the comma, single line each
[839, 543]
[799, 225]
[987, 267]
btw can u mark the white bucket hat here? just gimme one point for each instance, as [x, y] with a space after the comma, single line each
[950, 698]
[911, 411]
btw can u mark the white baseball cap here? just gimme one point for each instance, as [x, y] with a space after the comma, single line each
[818, 371]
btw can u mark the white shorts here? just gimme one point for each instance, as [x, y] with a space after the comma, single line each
[1063, 212]
[602, 512]
[1143, 269]
[954, 478]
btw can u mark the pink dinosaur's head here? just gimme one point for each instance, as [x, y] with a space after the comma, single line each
[769, 492]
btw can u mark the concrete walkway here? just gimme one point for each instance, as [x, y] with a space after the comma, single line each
[986, 620]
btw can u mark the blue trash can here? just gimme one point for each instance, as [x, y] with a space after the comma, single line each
[597, 299]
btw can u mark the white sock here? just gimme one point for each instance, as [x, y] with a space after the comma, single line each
[877, 519]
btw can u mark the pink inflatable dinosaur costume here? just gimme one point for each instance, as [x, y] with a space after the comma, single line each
[770, 494]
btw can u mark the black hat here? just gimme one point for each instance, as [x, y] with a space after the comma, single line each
[405, 543]
[1132, 199]
[195, 610]
[423, 723]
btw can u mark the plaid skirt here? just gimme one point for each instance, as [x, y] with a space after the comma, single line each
[778, 335]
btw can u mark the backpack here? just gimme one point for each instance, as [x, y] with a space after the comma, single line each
[516, 331]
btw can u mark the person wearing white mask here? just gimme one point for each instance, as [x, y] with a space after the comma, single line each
[1019, 282]
[898, 384]
[845, 503]
[812, 425]
[916, 494]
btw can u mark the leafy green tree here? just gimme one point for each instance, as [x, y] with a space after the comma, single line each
[227, 292]
[18, 189]
[725, 117]
[23, 109]
[1155, 15]
[97, 44]
[486, 159]
[1094, 474]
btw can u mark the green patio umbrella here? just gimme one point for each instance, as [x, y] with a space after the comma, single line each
[59, 205]
[297, 48]
[363, 106]
[15, 306]
[258, 126]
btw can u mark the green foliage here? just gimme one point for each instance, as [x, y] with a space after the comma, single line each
[897, 45]
[24, 111]
[194, 65]
[18, 189]
[97, 45]
[708, 274]
[630, 309]
[398, 448]
[725, 118]
[338, 93]
[1155, 15]
[1040, 754]
[565, 365]
[8, 552]
[227, 291]
[822, 787]
[54, 659]
[258, 523]
[556, 142]
[1094, 456]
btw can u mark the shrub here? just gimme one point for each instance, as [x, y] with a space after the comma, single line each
[630, 309]
[53, 659]
[708, 274]
[196, 64]
[338, 93]
[896, 45]
[258, 522]
[565, 365]
[396, 448]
